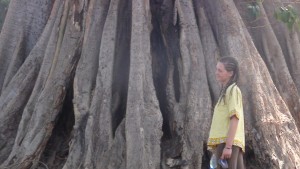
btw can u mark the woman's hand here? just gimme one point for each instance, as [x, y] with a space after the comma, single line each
[226, 154]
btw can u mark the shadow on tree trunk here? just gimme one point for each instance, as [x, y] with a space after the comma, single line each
[129, 84]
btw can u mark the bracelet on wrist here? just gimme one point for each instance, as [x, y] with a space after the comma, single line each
[228, 147]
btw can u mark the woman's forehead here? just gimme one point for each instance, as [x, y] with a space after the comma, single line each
[220, 65]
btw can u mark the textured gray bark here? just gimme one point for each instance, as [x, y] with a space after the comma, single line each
[16, 96]
[37, 121]
[289, 44]
[143, 116]
[269, 48]
[129, 84]
[194, 103]
[210, 50]
[85, 80]
[26, 25]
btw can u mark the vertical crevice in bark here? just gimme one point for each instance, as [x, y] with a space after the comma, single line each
[61, 35]
[78, 10]
[211, 55]
[176, 75]
[251, 153]
[57, 149]
[196, 102]
[165, 55]
[85, 80]
[136, 78]
[99, 132]
[167, 74]
[210, 49]
[159, 64]
[121, 64]
[187, 102]
[115, 157]
[170, 40]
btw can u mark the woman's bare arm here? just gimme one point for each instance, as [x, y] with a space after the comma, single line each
[230, 137]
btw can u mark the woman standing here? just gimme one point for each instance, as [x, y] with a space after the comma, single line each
[227, 135]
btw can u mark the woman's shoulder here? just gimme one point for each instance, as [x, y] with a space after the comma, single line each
[233, 88]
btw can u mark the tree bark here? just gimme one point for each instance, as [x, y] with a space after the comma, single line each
[38, 120]
[269, 48]
[16, 96]
[129, 84]
[20, 33]
[85, 80]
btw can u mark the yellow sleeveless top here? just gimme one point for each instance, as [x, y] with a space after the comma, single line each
[224, 109]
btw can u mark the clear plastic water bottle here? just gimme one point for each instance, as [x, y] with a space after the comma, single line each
[213, 162]
[223, 163]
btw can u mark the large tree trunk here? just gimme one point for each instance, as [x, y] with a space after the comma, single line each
[129, 84]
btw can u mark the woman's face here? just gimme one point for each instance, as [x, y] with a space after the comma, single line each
[222, 75]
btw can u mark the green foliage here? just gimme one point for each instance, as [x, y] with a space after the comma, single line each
[3, 6]
[4, 2]
[288, 15]
[254, 9]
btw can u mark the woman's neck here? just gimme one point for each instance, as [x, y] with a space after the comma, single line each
[225, 83]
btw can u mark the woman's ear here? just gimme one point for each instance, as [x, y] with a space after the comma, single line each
[231, 73]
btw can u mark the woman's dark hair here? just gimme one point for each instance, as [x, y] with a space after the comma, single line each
[230, 64]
